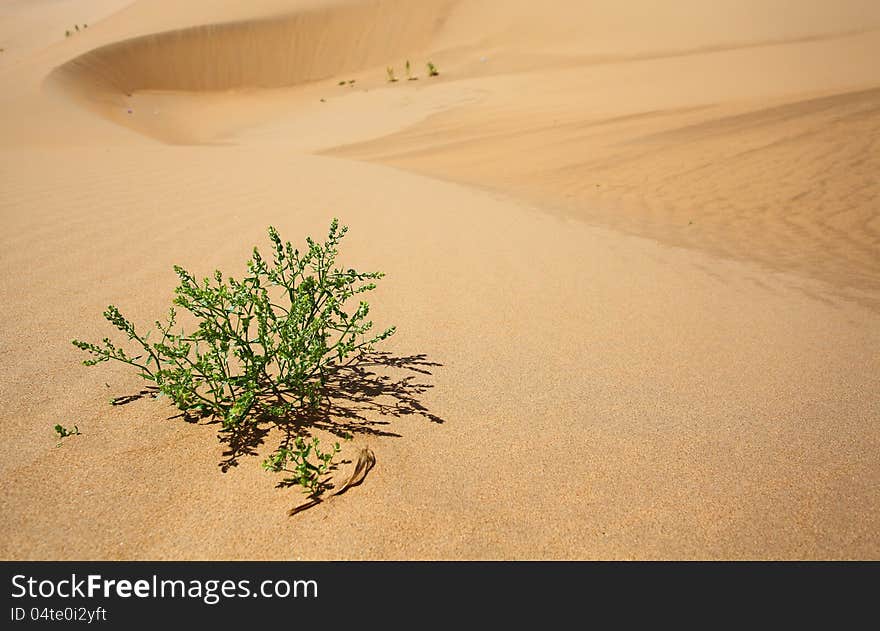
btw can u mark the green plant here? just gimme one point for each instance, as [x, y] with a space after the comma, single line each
[262, 346]
[390, 72]
[409, 76]
[341, 83]
[306, 474]
[432, 70]
[63, 432]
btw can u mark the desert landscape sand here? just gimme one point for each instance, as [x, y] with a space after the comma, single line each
[632, 251]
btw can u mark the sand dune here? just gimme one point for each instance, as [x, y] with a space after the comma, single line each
[632, 254]
[645, 148]
[775, 165]
[269, 53]
[792, 185]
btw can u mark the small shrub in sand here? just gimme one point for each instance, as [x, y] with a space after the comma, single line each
[432, 70]
[261, 347]
[390, 72]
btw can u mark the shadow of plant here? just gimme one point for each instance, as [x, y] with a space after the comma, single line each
[322, 486]
[376, 384]
[131, 398]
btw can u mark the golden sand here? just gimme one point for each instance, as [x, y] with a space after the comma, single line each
[633, 255]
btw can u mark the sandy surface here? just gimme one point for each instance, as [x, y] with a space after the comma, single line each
[633, 255]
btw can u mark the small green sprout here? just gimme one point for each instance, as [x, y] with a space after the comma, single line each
[390, 72]
[64, 432]
[305, 473]
[432, 70]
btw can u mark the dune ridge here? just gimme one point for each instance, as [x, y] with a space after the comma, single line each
[267, 53]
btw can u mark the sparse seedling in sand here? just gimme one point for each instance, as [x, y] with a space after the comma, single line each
[432, 70]
[409, 75]
[390, 72]
[68, 32]
[262, 346]
[342, 83]
[63, 432]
